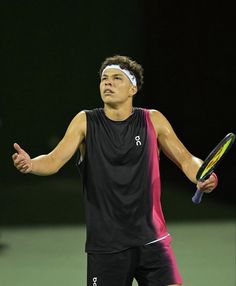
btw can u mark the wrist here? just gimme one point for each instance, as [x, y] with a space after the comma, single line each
[30, 170]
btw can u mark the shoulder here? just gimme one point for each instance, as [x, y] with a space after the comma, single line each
[79, 122]
[159, 121]
[156, 116]
[80, 117]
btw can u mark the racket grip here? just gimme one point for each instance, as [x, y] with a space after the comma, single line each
[196, 199]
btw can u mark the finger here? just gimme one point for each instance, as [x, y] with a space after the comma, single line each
[20, 163]
[18, 159]
[17, 147]
[208, 190]
[210, 180]
[207, 182]
[26, 168]
[24, 171]
[14, 156]
[20, 166]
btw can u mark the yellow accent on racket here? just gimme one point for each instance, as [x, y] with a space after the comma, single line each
[216, 158]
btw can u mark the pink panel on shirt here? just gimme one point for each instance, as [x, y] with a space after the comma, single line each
[155, 183]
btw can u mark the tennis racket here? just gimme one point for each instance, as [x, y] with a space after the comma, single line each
[211, 162]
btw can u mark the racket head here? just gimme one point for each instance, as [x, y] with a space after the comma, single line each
[214, 158]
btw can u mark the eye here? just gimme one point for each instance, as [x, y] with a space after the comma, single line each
[118, 78]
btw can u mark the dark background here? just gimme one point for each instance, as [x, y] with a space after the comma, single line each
[50, 57]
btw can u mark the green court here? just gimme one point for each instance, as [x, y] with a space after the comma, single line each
[46, 254]
[43, 256]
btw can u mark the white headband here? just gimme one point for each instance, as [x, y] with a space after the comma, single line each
[126, 72]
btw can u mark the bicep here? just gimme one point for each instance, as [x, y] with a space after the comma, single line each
[71, 141]
[168, 141]
[173, 148]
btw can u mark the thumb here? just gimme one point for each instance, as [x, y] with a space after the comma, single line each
[17, 148]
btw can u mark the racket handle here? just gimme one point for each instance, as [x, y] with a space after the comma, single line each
[196, 199]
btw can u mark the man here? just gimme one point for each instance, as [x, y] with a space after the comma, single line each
[119, 148]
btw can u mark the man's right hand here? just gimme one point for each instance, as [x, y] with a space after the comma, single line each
[21, 160]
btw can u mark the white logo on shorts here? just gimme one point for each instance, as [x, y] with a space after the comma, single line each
[138, 140]
[95, 279]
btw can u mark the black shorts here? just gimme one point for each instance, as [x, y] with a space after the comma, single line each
[151, 265]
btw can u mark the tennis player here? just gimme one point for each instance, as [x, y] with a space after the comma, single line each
[119, 147]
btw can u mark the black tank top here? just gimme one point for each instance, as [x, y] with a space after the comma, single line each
[121, 182]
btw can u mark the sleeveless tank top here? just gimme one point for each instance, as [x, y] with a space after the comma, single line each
[121, 182]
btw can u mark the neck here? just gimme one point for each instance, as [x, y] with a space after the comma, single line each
[119, 113]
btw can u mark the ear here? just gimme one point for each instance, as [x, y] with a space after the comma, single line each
[133, 90]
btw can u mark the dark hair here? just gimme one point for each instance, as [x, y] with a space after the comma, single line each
[125, 63]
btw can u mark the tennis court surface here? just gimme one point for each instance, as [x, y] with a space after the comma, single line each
[52, 253]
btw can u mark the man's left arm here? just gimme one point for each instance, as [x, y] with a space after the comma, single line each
[175, 150]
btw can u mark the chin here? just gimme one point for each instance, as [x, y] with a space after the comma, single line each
[107, 99]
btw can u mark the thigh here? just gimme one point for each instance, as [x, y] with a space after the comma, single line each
[116, 269]
[158, 265]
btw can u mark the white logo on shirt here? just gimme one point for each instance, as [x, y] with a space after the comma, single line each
[95, 279]
[137, 139]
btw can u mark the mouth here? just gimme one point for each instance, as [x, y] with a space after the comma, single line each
[108, 91]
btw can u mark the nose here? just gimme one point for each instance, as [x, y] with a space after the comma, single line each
[107, 81]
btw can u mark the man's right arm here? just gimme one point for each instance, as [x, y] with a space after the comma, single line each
[51, 163]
